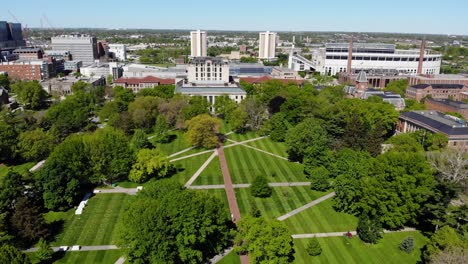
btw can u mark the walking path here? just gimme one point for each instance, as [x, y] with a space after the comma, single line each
[257, 149]
[121, 260]
[220, 256]
[304, 207]
[201, 169]
[336, 234]
[118, 189]
[247, 185]
[83, 248]
[180, 152]
[231, 196]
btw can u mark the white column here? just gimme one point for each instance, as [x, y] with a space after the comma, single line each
[199, 42]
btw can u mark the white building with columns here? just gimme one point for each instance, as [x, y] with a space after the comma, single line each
[198, 43]
[267, 46]
[209, 77]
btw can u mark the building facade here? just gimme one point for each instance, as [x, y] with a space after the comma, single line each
[436, 91]
[29, 53]
[439, 79]
[11, 35]
[63, 86]
[208, 70]
[119, 51]
[443, 105]
[374, 57]
[81, 47]
[23, 71]
[436, 122]
[198, 44]
[267, 45]
[136, 84]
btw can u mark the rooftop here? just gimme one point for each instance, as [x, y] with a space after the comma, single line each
[442, 77]
[202, 60]
[456, 104]
[438, 86]
[147, 79]
[438, 122]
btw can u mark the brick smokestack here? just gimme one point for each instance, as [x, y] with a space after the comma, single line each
[421, 56]
[350, 55]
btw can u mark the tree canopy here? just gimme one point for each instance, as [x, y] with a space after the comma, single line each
[201, 131]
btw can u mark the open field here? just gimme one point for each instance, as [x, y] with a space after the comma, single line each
[177, 144]
[321, 218]
[242, 137]
[282, 201]
[95, 257]
[189, 166]
[343, 250]
[97, 224]
[211, 174]
[245, 164]
[266, 144]
[21, 169]
[231, 258]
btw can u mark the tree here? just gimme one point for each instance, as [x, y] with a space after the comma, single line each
[319, 179]
[445, 238]
[197, 106]
[108, 154]
[254, 211]
[412, 105]
[12, 187]
[66, 169]
[457, 255]
[150, 163]
[10, 254]
[260, 187]
[265, 241]
[224, 106]
[201, 131]
[144, 111]
[256, 112]
[238, 120]
[8, 140]
[139, 140]
[278, 127]
[166, 223]
[452, 165]
[397, 86]
[27, 220]
[369, 230]
[407, 245]
[35, 145]
[44, 252]
[5, 81]
[30, 93]
[123, 95]
[405, 143]
[305, 134]
[313, 247]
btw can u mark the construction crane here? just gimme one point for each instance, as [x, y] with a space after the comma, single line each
[25, 30]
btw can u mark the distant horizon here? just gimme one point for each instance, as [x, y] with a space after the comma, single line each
[240, 30]
[430, 17]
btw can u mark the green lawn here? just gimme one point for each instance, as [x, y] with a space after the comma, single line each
[278, 148]
[231, 258]
[189, 166]
[95, 257]
[321, 218]
[177, 144]
[282, 201]
[245, 164]
[225, 127]
[97, 224]
[21, 169]
[242, 137]
[344, 250]
[211, 174]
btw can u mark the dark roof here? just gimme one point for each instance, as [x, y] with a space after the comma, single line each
[147, 79]
[438, 86]
[435, 125]
[420, 86]
[455, 104]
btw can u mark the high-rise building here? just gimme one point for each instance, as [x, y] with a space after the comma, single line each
[81, 47]
[11, 35]
[119, 51]
[198, 43]
[267, 45]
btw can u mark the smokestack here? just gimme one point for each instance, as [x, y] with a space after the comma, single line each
[350, 55]
[421, 56]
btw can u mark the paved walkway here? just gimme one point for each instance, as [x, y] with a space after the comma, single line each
[231, 196]
[220, 256]
[83, 248]
[336, 234]
[247, 185]
[121, 260]
[261, 150]
[180, 152]
[201, 169]
[304, 207]
[118, 189]
[243, 142]
[192, 155]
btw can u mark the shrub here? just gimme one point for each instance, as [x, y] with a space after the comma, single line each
[407, 245]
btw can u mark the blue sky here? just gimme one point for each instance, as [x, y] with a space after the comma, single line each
[408, 16]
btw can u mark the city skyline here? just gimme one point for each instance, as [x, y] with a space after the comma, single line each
[400, 16]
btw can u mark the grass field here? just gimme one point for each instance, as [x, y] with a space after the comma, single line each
[21, 169]
[97, 224]
[344, 250]
[177, 144]
[321, 218]
[95, 257]
[189, 166]
[278, 148]
[245, 164]
[211, 174]
[231, 258]
[242, 137]
[282, 201]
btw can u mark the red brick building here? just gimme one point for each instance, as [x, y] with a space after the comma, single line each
[136, 84]
[22, 71]
[447, 106]
[438, 79]
[436, 91]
